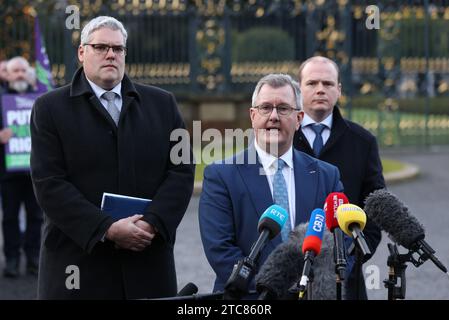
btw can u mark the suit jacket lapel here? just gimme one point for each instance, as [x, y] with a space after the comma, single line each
[339, 126]
[127, 100]
[306, 186]
[256, 183]
[80, 86]
[129, 94]
[100, 108]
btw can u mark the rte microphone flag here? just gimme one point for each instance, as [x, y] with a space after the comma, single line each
[43, 70]
[270, 224]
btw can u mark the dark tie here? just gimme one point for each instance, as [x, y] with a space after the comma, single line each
[114, 112]
[318, 142]
[280, 195]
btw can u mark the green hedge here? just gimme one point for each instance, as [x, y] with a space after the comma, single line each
[437, 105]
[267, 44]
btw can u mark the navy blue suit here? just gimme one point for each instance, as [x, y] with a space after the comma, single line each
[234, 197]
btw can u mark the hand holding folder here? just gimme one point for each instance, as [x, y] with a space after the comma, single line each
[119, 206]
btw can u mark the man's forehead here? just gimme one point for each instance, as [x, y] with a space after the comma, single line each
[104, 34]
[319, 71]
[15, 65]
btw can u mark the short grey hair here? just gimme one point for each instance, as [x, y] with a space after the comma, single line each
[19, 59]
[278, 80]
[99, 23]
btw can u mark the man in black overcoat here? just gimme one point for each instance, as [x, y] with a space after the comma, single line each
[105, 133]
[343, 143]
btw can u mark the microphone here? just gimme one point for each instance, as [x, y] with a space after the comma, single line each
[389, 213]
[333, 201]
[352, 220]
[280, 270]
[283, 266]
[188, 290]
[311, 246]
[270, 224]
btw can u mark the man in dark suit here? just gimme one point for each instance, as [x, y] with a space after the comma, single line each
[17, 189]
[104, 133]
[237, 191]
[326, 135]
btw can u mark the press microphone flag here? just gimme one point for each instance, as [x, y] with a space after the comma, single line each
[312, 245]
[333, 201]
[284, 265]
[270, 224]
[352, 221]
[391, 215]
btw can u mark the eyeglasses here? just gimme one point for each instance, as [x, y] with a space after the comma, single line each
[282, 109]
[101, 48]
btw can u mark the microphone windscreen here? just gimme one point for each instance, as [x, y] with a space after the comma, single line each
[314, 233]
[349, 214]
[391, 215]
[188, 290]
[323, 265]
[280, 270]
[273, 220]
[333, 201]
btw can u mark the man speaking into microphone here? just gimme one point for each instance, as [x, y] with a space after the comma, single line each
[238, 190]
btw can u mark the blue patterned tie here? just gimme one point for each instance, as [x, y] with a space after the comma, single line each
[318, 142]
[280, 195]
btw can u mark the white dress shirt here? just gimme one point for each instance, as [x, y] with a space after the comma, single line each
[310, 134]
[269, 165]
[99, 91]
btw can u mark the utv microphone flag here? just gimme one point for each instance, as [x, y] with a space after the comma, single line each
[43, 71]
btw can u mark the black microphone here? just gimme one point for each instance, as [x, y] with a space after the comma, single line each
[188, 290]
[285, 264]
[270, 224]
[280, 271]
[390, 214]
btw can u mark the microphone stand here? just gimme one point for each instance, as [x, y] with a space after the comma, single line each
[237, 285]
[360, 254]
[397, 266]
[294, 290]
[340, 261]
[396, 263]
[338, 284]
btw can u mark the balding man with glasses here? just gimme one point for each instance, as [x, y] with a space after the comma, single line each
[238, 190]
[105, 133]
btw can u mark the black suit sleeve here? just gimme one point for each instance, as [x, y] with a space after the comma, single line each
[63, 204]
[173, 195]
[373, 180]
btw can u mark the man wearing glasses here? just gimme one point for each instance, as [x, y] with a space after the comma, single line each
[104, 133]
[237, 191]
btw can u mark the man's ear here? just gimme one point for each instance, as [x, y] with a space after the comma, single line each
[81, 53]
[252, 114]
[300, 116]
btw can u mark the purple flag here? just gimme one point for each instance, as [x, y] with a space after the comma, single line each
[43, 72]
